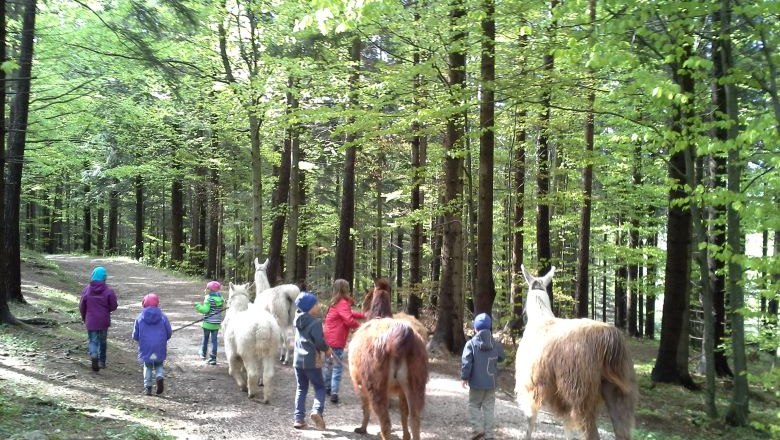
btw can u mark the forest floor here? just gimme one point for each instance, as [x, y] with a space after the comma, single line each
[50, 368]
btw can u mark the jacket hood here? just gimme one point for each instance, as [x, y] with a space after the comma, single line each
[151, 315]
[97, 287]
[219, 300]
[483, 340]
[302, 320]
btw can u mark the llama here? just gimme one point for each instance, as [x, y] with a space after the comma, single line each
[280, 302]
[571, 367]
[251, 341]
[381, 309]
[387, 358]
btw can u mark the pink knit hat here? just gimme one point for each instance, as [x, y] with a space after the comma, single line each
[214, 286]
[151, 300]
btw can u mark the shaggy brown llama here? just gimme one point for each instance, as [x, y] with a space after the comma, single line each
[572, 367]
[387, 358]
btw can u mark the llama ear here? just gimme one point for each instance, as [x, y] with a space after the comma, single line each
[264, 266]
[528, 277]
[548, 277]
[257, 264]
[230, 285]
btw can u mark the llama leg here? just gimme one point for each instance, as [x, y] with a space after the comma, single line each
[620, 407]
[268, 375]
[252, 377]
[236, 369]
[366, 411]
[404, 406]
[379, 402]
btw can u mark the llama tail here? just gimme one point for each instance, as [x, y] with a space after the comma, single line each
[403, 344]
[619, 388]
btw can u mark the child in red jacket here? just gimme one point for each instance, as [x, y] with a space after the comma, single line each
[338, 323]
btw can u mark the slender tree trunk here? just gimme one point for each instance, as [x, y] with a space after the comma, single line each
[214, 211]
[257, 186]
[86, 234]
[6, 316]
[650, 291]
[399, 266]
[485, 294]
[583, 254]
[669, 366]
[139, 217]
[177, 219]
[113, 218]
[302, 247]
[378, 221]
[449, 323]
[737, 414]
[716, 170]
[543, 246]
[279, 208]
[436, 242]
[17, 133]
[345, 247]
[294, 190]
[101, 230]
[633, 281]
[518, 222]
[419, 144]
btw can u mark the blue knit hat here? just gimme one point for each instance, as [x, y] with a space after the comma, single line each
[305, 301]
[482, 322]
[99, 274]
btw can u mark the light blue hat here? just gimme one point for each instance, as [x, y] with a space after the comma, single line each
[99, 274]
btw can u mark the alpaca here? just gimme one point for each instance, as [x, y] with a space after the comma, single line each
[381, 309]
[388, 358]
[572, 367]
[251, 341]
[280, 302]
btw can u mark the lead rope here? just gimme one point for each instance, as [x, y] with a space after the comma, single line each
[199, 320]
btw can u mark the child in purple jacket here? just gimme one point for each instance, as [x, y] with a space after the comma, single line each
[152, 331]
[97, 302]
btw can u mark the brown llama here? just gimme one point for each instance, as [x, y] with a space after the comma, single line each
[387, 358]
[381, 308]
[572, 367]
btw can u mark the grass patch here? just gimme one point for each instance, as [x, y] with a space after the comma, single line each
[25, 414]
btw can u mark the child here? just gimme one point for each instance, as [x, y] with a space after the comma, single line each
[339, 320]
[212, 319]
[478, 369]
[309, 342]
[152, 331]
[97, 302]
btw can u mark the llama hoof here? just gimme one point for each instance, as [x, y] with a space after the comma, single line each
[360, 430]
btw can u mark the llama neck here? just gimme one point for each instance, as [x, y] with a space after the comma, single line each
[261, 281]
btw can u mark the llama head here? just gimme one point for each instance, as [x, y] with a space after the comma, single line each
[238, 296]
[261, 266]
[537, 303]
[261, 276]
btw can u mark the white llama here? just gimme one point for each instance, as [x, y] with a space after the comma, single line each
[251, 341]
[280, 302]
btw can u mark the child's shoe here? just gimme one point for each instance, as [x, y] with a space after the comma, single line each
[95, 365]
[212, 360]
[319, 422]
[160, 385]
[334, 398]
[102, 365]
[299, 424]
[148, 391]
[202, 354]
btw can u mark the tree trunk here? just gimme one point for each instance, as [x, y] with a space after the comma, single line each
[345, 245]
[302, 247]
[652, 242]
[379, 238]
[633, 281]
[544, 250]
[716, 171]
[485, 294]
[6, 317]
[518, 222]
[86, 234]
[294, 202]
[449, 323]
[257, 186]
[214, 211]
[138, 252]
[737, 414]
[279, 202]
[113, 218]
[669, 366]
[583, 255]
[17, 132]
[177, 218]
[436, 242]
[399, 267]
[416, 239]
[101, 230]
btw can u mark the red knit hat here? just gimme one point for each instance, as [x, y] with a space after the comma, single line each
[214, 286]
[151, 300]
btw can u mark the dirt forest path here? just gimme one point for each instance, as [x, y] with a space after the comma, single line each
[202, 402]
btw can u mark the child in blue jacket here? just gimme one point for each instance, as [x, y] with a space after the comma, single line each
[152, 331]
[478, 370]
